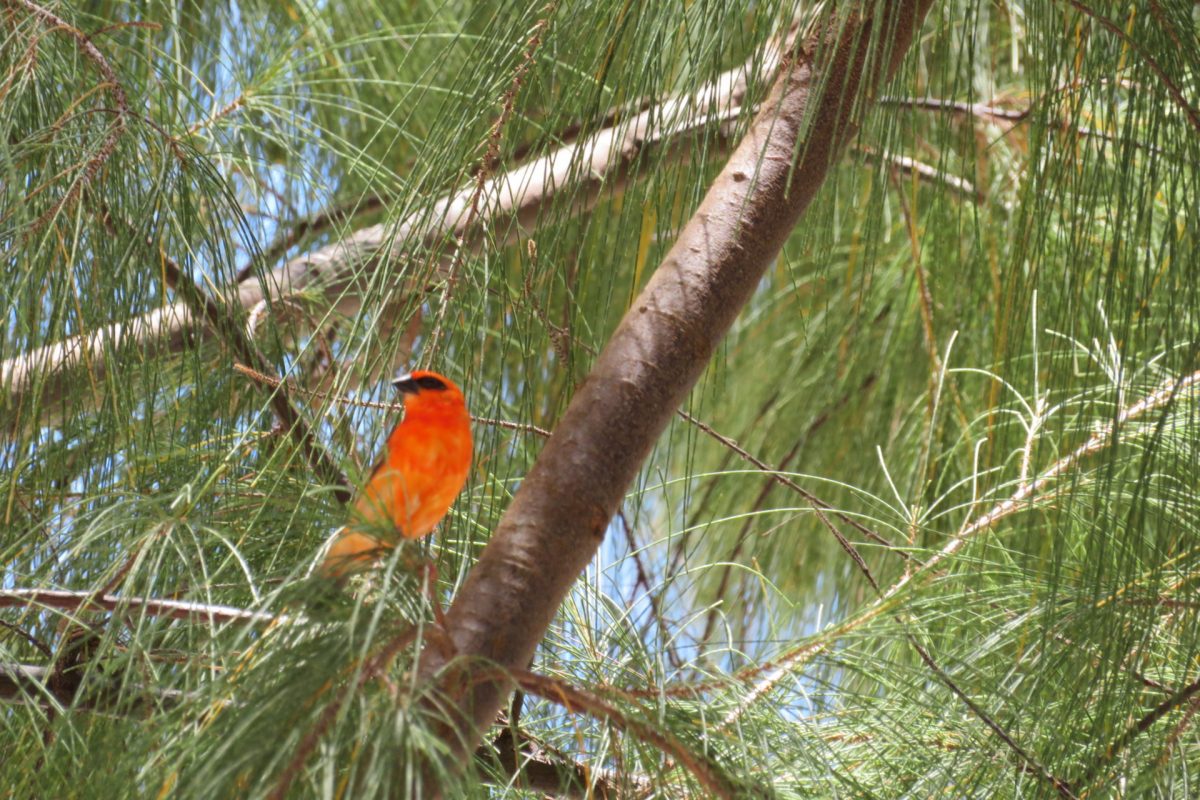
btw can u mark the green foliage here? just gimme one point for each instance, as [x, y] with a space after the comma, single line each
[929, 347]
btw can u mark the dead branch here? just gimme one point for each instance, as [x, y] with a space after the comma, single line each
[513, 203]
[923, 171]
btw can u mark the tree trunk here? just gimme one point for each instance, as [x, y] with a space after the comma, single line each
[558, 517]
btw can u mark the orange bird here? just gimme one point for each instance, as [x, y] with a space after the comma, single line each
[423, 468]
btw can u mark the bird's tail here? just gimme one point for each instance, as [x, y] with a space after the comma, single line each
[350, 551]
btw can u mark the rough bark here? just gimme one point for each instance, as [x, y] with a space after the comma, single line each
[557, 519]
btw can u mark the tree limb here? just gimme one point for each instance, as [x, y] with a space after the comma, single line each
[513, 203]
[535, 766]
[559, 515]
[221, 323]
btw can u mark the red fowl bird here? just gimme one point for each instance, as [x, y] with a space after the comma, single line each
[423, 468]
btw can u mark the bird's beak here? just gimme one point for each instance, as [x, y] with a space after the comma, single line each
[405, 384]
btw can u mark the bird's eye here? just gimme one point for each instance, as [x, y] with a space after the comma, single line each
[430, 382]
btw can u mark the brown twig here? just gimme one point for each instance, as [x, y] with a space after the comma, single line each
[576, 700]
[114, 87]
[487, 167]
[1011, 116]
[1028, 763]
[267, 380]
[643, 580]
[698, 509]
[41, 646]
[293, 423]
[744, 533]
[1177, 732]
[819, 505]
[783, 480]
[982, 110]
[1176, 94]
[1109, 753]
[1032, 765]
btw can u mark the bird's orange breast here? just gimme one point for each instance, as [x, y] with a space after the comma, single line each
[426, 464]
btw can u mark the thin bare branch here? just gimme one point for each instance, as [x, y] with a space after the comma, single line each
[771, 480]
[576, 700]
[819, 505]
[176, 609]
[1029, 763]
[112, 85]
[1143, 724]
[1174, 91]
[267, 380]
[41, 646]
[201, 304]
[982, 110]
[1010, 117]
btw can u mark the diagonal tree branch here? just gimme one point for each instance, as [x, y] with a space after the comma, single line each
[1136, 729]
[576, 701]
[1177, 95]
[512, 205]
[558, 517]
[88, 169]
[202, 305]
[768, 676]
[537, 767]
